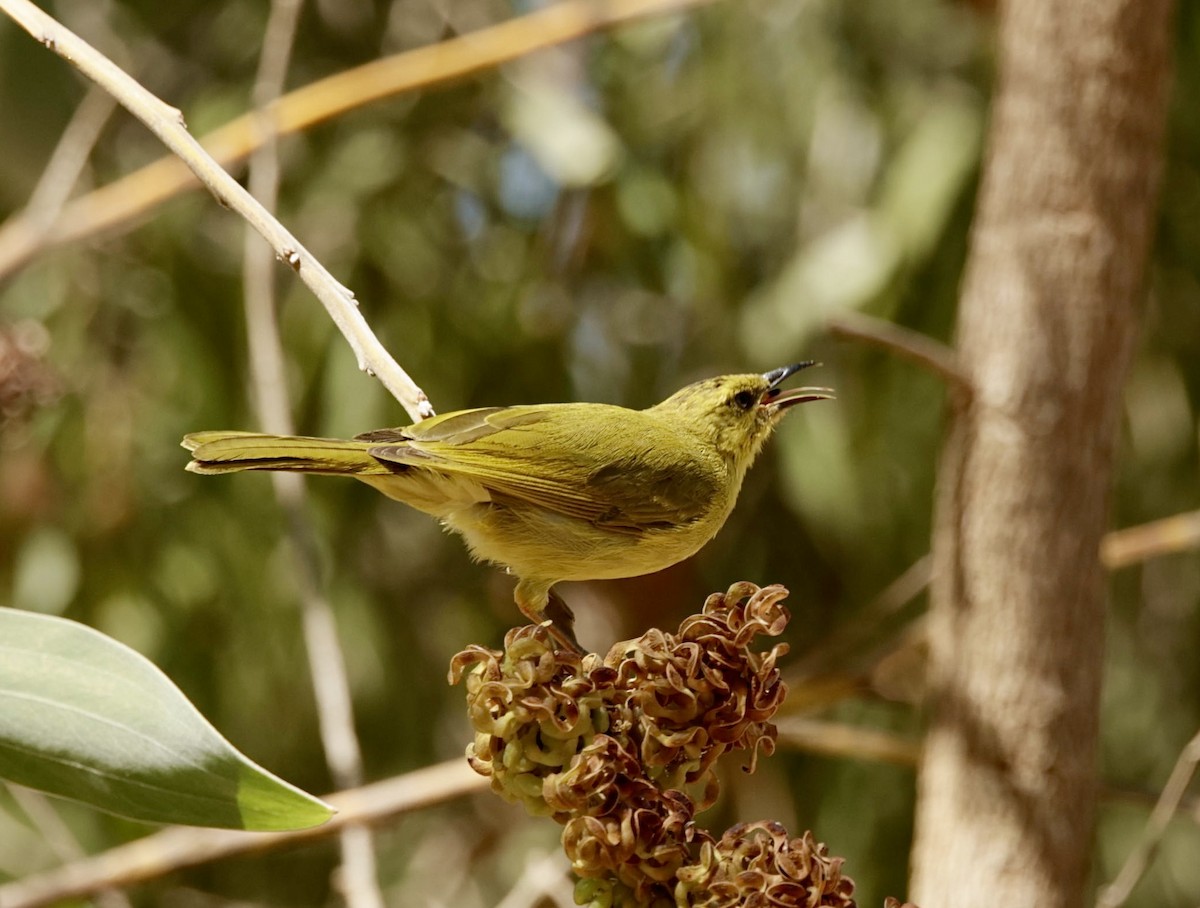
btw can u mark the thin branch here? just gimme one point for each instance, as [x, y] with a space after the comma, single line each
[180, 847]
[543, 878]
[837, 739]
[67, 160]
[1117, 892]
[1179, 533]
[830, 672]
[326, 660]
[267, 369]
[59, 838]
[167, 123]
[918, 348]
[119, 203]
[837, 649]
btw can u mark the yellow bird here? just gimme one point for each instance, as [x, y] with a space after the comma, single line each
[576, 491]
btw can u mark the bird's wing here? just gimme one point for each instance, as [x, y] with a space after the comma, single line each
[457, 428]
[621, 469]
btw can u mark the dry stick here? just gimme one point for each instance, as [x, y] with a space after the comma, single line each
[1120, 548]
[67, 160]
[181, 847]
[59, 838]
[543, 879]
[1132, 545]
[326, 660]
[45, 202]
[933, 355]
[814, 679]
[119, 203]
[167, 123]
[1116, 893]
[836, 649]
[837, 739]
[843, 741]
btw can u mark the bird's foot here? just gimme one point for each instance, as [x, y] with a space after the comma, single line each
[561, 624]
[544, 607]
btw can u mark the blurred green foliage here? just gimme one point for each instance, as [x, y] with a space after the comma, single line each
[607, 221]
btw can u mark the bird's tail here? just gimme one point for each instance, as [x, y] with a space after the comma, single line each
[228, 452]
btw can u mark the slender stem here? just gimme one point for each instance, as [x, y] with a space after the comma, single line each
[68, 159]
[838, 739]
[167, 123]
[1131, 545]
[936, 357]
[180, 847]
[1117, 892]
[59, 838]
[326, 660]
[122, 202]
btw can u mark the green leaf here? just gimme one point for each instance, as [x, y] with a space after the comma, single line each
[86, 717]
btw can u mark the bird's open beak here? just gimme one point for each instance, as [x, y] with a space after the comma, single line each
[778, 399]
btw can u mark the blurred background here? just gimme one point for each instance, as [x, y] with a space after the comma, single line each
[696, 193]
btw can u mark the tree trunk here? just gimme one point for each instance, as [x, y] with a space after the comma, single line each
[1048, 317]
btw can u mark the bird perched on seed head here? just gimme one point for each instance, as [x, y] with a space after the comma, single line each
[575, 491]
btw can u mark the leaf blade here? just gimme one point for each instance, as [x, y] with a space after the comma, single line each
[85, 717]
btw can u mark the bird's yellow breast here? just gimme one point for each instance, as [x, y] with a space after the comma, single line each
[536, 543]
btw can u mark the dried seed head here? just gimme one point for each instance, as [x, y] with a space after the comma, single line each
[758, 864]
[620, 750]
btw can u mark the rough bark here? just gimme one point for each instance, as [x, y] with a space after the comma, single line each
[1049, 312]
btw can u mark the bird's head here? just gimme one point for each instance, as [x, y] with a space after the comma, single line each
[737, 413]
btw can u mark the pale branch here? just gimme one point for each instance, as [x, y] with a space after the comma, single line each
[120, 203]
[67, 160]
[838, 739]
[326, 659]
[918, 348]
[542, 879]
[167, 123]
[841, 740]
[1118, 549]
[1132, 545]
[181, 847]
[1116, 893]
[267, 360]
[853, 637]
[40, 811]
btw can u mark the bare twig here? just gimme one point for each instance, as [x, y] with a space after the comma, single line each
[837, 739]
[1131, 545]
[326, 660]
[167, 123]
[67, 160]
[258, 275]
[59, 838]
[832, 671]
[837, 649]
[180, 847]
[119, 203]
[936, 357]
[543, 879]
[1117, 892]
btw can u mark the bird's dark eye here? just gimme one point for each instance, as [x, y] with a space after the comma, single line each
[745, 399]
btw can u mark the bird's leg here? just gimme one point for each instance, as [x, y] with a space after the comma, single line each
[538, 603]
[562, 622]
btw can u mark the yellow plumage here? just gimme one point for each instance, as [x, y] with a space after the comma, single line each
[554, 491]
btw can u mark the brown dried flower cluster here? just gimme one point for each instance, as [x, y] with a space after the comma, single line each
[620, 750]
[758, 864]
